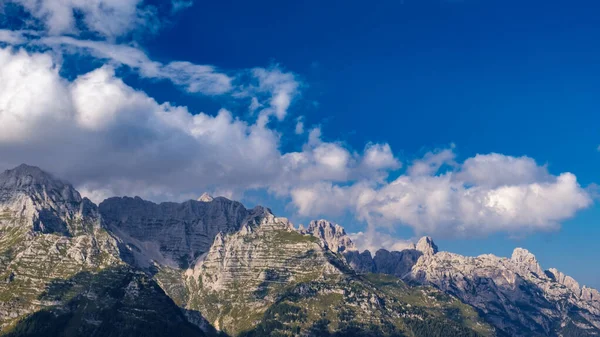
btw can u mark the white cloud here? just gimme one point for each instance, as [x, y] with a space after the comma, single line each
[12, 37]
[193, 78]
[271, 90]
[197, 78]
[34, 100]
[496, 170]
[320, 198]
[108, 18]
[373, 241]
[432, 162]
[486, 194]
[112, 139]
[380, 156]
[282, 86]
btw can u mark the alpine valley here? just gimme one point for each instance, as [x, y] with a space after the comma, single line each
[211, 267]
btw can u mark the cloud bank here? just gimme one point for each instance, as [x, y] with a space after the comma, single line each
[109, 138]
[483, 195]
[107, 135]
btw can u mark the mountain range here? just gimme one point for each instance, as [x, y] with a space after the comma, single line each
[211, 267]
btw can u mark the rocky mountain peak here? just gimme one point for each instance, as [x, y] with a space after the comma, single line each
[521, 255]
[333, 236]
[427, 246]
[591, 295]
[34, 181]
[525, 259]
[563, 279]
[205, 197]
[45, 203]
[33, 173]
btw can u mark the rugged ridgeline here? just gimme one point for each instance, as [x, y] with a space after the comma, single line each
[170, 234]
[212, 267]
[515, 294]
[131, 267]
[60, 270]
[268, 279]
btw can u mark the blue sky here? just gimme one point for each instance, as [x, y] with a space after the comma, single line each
[434, 81]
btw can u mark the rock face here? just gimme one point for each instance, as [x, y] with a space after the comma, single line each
[514, 294]
[171, 234]
[205, 197]
[268, 279]
[426, 246]
[391, 263]
[396, 263]
[361, 262]
[44, 203]
[563, 279]
[47, 232]
[332, 236]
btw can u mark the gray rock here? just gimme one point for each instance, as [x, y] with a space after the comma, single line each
[47, 233]
[332, 236]
[205, 197]
[171, 234]
[426, 246]
[46, 204]
[396, 263]
[514, 294]
[360, 262]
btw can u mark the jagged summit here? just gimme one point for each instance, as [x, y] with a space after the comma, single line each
[525, 259]
[24, 176]
[521, 254]
[554, 300]
[427, 246]
[563, 279]
[333, 236]
[32, 198]
[25, 169]
[205, 197]
[36, 183]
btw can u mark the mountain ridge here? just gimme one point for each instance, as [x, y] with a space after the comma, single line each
[197, 251]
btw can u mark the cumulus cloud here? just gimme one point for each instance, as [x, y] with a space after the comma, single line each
[110, 138]
[483, 195]
[375, 241]
[432, 162]
[282, 87]
[495, 170]
[380, 156]
[34, 100]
